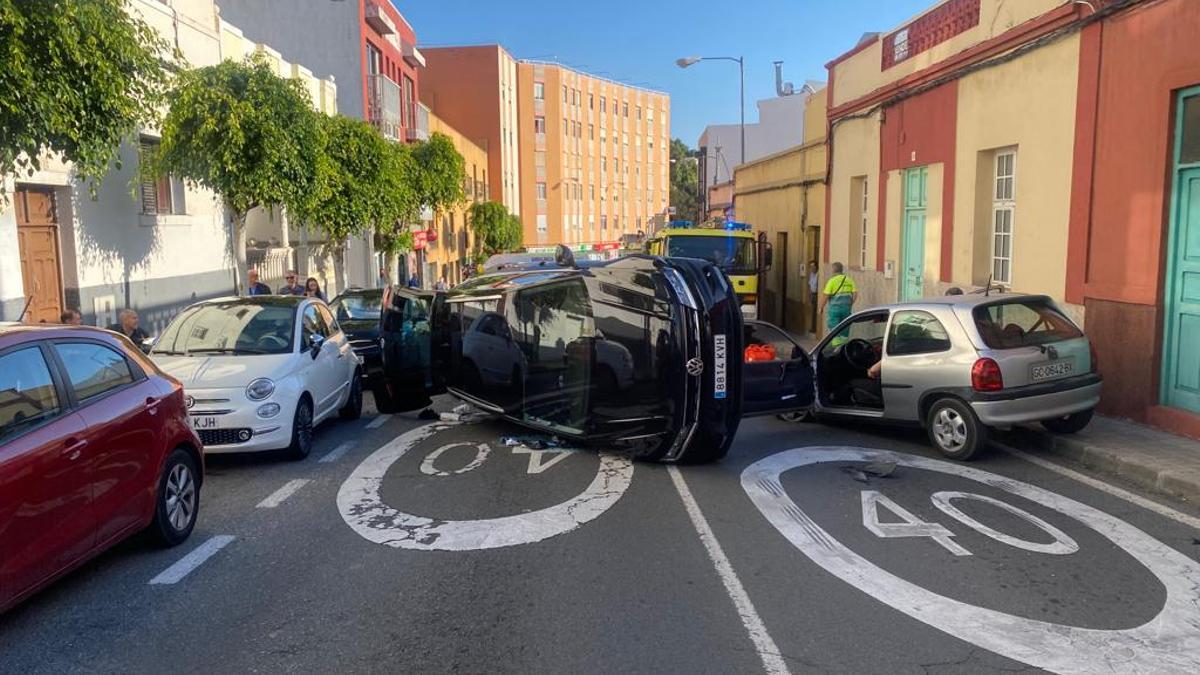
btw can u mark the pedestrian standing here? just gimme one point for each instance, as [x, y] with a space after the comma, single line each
[814, 285]
[71, 317]
[382, 281]
[292, 286]
[254, 286]
[312, 289]
[441, 285]
[413, 281]
[127, 325]
[840, 294]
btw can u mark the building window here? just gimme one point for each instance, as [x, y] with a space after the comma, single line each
[625, 109]
[566, 127]
[566, 94]
[541, 191]
[591, 101]
[603, 164]
[160, 195]
[649, 114]
[539, 125]
[541, 222]
[591, 132]
[603, 104]
[639, 112]
[1004, 208]
[539, 91]
[864, 233]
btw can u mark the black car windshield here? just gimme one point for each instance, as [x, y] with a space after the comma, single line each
[230, 328]
[358, 306]
[734, 255]
[1027, 322]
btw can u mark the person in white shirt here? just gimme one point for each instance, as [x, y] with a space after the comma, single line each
[814, 285]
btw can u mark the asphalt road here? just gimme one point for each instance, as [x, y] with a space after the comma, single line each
[430, 548]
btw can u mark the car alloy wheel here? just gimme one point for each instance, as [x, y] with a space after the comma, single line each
[950, 429]
[180, 497]
[302, 430]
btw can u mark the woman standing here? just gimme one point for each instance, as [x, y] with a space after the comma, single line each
[312, 289]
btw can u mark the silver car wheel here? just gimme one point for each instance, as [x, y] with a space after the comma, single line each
[180, 497]
[950, 429]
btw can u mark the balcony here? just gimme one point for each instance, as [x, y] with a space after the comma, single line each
[377, 18]
[383, 106]
[420, 131]
[412, 56]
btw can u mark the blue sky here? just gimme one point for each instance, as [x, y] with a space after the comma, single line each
[637, 41]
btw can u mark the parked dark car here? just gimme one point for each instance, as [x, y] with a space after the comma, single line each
[358, 312]
[95, 446]
[641, 353]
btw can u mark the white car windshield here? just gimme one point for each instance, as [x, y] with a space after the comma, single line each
[230, 328]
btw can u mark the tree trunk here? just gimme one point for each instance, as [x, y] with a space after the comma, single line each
[238, 241]
[339, 268]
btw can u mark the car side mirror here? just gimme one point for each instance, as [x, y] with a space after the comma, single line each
[314, 344]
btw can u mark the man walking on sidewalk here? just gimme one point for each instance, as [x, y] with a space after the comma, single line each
[839, 297]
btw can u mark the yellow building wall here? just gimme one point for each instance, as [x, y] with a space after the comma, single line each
[855, 153]
[1027, 104]
[860, 74]
[446, 253]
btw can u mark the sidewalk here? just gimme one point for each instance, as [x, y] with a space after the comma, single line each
[1151, 459]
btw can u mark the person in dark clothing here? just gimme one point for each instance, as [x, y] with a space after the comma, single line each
[127, 325]
[312, 288]
[413, 281]
[71, 317]
[254, 286]
[291, 287]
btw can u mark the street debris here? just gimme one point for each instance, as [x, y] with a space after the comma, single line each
[464, 412]
[535, 442]
[883, 469]
[428, 414]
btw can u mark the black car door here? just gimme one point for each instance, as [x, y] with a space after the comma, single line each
[776, 374]
[412, 330]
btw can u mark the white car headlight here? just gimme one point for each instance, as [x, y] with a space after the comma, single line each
[260, 389]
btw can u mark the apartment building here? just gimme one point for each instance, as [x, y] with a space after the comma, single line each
[594, 157]
[474, 89]
[369, 49]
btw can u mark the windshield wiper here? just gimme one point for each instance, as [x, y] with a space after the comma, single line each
[167, 352]
[223, 350]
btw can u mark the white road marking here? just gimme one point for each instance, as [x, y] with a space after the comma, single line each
[336, 453]
[1169, 642]
[537, 461]
[379, 421]
[276, 498]
[366, 513]
[772, 660]
[481, 453]
[1131, 497]
[192, 560]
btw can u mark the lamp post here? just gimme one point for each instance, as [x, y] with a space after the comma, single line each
[688, 61]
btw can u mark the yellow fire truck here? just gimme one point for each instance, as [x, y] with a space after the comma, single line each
[732, 247]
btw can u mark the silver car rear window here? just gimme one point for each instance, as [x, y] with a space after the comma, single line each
[1022, 323]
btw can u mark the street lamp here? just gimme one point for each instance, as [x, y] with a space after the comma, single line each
[689, 61]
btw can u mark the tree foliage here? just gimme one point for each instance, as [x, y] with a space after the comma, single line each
[246, 133]
[369, 181]
[496, 230]
[440, 170]
[685, 182]
[77, 77]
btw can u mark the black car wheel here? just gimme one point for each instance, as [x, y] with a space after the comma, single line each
[1069, 424]
[302, 431]
[178, 502]
[353, 408]
[954, 429]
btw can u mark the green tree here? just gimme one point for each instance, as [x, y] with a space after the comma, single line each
[440, 172]
[78, 76]
[684, 182]
[251, 136]
[496, 230]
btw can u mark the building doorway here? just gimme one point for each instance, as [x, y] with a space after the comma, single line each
[811, 287]
[783, 265]
[37, 239]
[912, 260]
[1181, 359]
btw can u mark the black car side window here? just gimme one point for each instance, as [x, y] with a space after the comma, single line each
[93, 369]
[27, 394]
[916, 332]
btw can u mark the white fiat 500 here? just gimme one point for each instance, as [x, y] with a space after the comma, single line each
[259, 373]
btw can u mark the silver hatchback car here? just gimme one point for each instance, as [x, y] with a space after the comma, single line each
[958, 365]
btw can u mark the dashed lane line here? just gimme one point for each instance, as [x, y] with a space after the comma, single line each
[192, 560]
[336, 453]
[764, 646]
[277, 497]
[1133, 498]
[379, 421]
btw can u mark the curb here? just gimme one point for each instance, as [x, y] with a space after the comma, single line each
[1132, 467]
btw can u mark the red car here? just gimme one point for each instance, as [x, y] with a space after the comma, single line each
[95, 446]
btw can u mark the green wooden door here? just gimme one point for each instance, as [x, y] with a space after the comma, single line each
[912, 253]
[1181, 353]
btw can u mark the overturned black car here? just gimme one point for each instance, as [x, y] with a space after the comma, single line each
[640, 353]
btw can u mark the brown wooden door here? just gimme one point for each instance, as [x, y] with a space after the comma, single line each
[37, 238]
